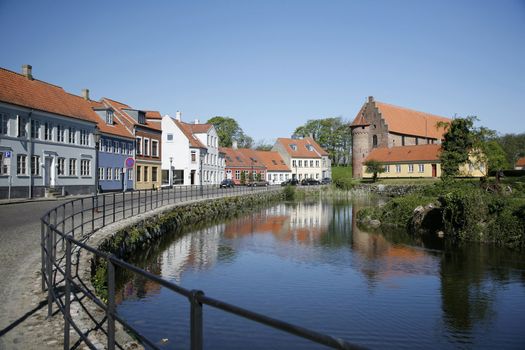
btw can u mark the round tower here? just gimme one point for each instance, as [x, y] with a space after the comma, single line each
[360, 148]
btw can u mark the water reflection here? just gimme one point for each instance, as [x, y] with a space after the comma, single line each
[421, 294]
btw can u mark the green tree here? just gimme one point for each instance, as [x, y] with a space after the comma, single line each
[228, 131]
[513, 145]
[258, 177]
[243, 178]
[457, 145]
[261, 145]
[374, 167]
[495, 156]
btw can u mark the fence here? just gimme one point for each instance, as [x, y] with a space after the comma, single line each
[64, 232]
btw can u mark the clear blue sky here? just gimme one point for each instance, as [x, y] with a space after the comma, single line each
[272, 65]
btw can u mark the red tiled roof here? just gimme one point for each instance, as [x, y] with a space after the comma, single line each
[186, 130]
[301, 147]
[520, 162]
[360, 119]
[18, 90]
[153, 115]
[405, 154]
[199, 128]
[120, 109]
[272, 160]
[117, 128]
[241, 158]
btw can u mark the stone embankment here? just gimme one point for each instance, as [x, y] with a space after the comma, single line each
[385, 190]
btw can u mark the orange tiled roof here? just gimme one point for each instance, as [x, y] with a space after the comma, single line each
[241, 158]
[360, 119]
[153, 115]
[120, 109]
[405, 154]
[301, 149]
[186, 130]
[117, 128]
[520, 162]
[272, 160]
[18, 90]
[199, 128]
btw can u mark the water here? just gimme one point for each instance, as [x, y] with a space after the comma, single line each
[309, 264]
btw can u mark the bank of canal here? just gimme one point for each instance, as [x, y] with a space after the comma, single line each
[308, 263]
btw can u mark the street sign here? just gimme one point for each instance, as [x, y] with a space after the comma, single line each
[129, 162]
[7, 154]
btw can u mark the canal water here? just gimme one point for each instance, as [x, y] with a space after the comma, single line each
[308, 263]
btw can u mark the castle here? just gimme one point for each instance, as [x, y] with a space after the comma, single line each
[381, 128]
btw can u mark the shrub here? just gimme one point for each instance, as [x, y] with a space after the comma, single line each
[289, 192]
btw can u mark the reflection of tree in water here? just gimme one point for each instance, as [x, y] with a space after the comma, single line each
[470, 278]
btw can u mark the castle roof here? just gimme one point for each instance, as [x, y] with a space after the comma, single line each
[406, 154]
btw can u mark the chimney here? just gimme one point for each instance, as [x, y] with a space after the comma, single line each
[27, 71]
[234, 144]
[85, 94]
[196, 121]
[178, 116]
[370, 98]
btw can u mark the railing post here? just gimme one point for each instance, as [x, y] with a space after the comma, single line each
[131, 203]
[49, 273]
[196, 331]
[138, 203]
[123, 205]
[73, 218]
[103, 210]
[43, 254]
[114, 207]
[67, 296]
[93, 214]
[82, 216]
[110, 311]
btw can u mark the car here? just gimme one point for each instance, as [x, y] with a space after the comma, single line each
[257, 183]
[291, 182]
[310, 182]
[227, 183]
[326, 181]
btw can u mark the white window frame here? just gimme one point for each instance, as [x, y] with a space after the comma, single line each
[85, 167]
[21, 127]
[48, 131]
[156, 148]
[398, 168]
[109, 173]
[138, 145]
[61, 133]
[410, 168]
[21, 164]
[147, 143]
[72, 167]
[72, 135]
[35, 129]
[116, 146]
[421, 168]
[4, 124]
[101, 173]
[61, 166]
[35, 165]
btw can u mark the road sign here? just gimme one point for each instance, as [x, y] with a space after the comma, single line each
[129, 162]
[7, 154]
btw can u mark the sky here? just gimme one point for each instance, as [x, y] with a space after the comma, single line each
[273, 65]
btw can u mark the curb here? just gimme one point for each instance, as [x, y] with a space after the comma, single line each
[33, 200]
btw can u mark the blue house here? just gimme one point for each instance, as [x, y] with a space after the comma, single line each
[115, 147]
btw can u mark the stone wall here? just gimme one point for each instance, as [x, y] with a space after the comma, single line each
[386, 190]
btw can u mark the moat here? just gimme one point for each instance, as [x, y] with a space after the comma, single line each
[309, 264]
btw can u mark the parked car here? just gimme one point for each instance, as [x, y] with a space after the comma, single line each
[326, 181]
[291, 182]
[227, 183]
[257, 183]
[310, 182]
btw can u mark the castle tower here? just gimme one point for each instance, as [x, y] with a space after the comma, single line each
[360, 141]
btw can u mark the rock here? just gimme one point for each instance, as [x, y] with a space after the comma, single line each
[374, 223]
[426, 219]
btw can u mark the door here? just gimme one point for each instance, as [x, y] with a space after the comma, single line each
[434, 170]
[192, 177]
[49, 173]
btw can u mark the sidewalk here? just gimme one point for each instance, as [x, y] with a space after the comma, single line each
[40, 199]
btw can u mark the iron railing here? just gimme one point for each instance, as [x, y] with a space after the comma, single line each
[64, 232]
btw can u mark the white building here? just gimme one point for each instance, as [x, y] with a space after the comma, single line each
[185, 148]
[276, 169]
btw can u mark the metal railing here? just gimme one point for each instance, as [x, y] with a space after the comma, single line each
[64, 232]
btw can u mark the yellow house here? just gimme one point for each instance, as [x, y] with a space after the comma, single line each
[416, 161]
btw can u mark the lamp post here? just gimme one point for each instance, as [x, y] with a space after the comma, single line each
[96, 137]
[170, 173]
[201, 157]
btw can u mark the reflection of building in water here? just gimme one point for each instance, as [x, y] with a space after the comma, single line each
[198, 250]
[382, 259]
[299, 222]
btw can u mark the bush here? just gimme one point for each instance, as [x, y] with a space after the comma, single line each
[289, 192]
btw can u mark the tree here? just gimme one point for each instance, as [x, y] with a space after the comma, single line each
[261, 145]
[495, 156]
[374, 167]
[458, 143]
[243, 177]
[513, 145]
[228, 131]
[258, 177]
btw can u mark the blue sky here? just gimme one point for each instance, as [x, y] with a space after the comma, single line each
[272, 65]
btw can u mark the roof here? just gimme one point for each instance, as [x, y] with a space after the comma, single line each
[18, 90]
[405, 153]
[153, 115]
[117, 128]
[520, 161]
[186, 130]
[272, 160]
[305, 148]
[406, 121]
[120, 110]
[241, 158]
[199, 128]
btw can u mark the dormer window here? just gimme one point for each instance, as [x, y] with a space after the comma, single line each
[109, 117]
[293, 146]
[309, 148]
[142, 118]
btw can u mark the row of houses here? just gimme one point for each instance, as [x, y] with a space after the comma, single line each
[52, 140]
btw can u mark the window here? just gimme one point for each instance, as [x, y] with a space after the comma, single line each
[21, 164]
[374, 141]
[123, 147]
[311, 164]
[85, 167]
[387, 168]
[154, 148]
[169, 137]
[139, 168]
[145, 173]
[72, 167]
[4, 164]
[309, 147]
[109, 146]
[101, 173]
[317, 164]
[109, 174]
[294, 163]
[61, 133]
[117, 174]
[130, 149]
[3, 124]
[142, 118]
[48, 131]
[417, 141]
[22, 127]
[72, 136]
[35, 129]
[102, 146]
[138, 147]
[410, 168]
[130, 174]
[421, 168]
[154, 174]
[115, 146]
[398, 168]
[237, 174]
[84, 138]
[61, 166]
[293, 146]
[300, 163]
[193, 156]
[109, 117]
[402, 140]
[146, 147]
[35, 165]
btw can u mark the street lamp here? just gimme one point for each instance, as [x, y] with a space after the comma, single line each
[170, 174]
[96, 137]
[201, 157]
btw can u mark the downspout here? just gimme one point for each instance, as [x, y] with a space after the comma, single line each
[30, 160]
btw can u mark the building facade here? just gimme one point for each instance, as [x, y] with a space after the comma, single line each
[276, 169]
[243, 165]
[46, 138]
[305, 158]
[213, 163]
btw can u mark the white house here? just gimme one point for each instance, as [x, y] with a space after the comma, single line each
[276, 169]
